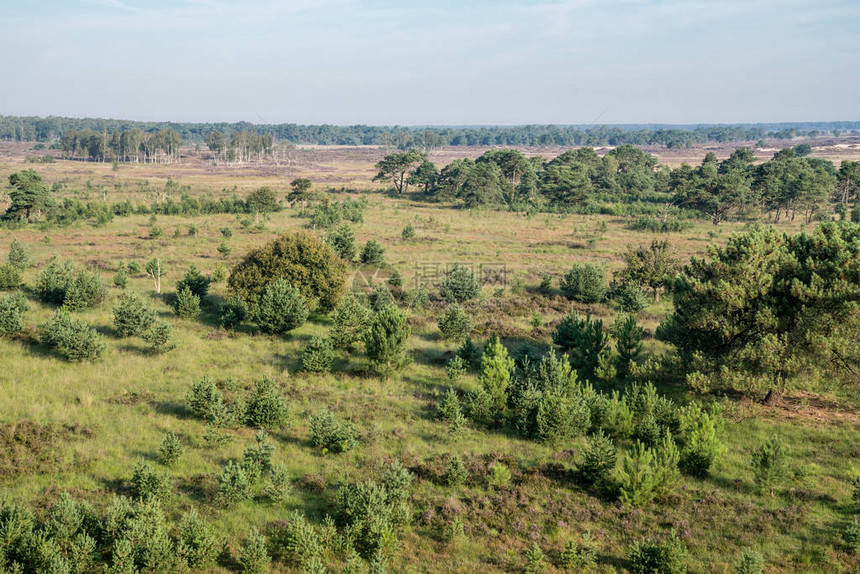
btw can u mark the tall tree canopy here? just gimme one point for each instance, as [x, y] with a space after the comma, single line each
[30, 197]
[769, 307]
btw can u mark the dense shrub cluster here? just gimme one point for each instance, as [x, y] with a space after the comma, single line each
[60, 284]
[72, 338]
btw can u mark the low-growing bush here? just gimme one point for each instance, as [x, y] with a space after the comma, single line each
[385, 341]
[266, 408]
[279, 484]
[459, 285]
[575, 557]
[373, 253]
[332, 435]
[750, 562]
[253, 555]
[150, 484]
[318, 356]
[350, 322]
[194, 281]
[667, 557]
[132, 317]
[456, 473]
[585, 282]
[10, 277]
[12, 309]
[72, 338]
[160, 338]
[196, 545]
[170, 449]
[455, 324]
[186, 304]
[233, 485]
[257, 458]
[281, 308]
[234, 312]
[598, 459]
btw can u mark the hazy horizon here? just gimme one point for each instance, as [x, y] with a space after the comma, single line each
[473, 63]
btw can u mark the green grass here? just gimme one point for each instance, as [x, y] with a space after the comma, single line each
[796, 529]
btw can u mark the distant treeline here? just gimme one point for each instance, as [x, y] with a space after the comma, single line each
[51, 129]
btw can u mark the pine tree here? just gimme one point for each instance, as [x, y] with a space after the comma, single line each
[385, 341]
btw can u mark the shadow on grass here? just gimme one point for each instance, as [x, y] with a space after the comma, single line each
[175, 409]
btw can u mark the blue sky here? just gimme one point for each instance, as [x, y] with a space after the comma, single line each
[417, 62]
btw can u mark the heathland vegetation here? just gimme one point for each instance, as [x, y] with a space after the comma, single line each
[584, 362]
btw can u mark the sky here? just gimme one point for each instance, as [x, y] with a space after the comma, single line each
[421, 62]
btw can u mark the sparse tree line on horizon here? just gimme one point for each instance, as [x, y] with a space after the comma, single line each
[51, 129]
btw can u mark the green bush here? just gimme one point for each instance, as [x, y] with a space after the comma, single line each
[372, 253]
[150, 484]
[279, 485]
[234, 312]
[629, 297]
[219, 273]
[496, 370]
[650, 557]
[350, 322]
[170, 449]
[160, 338]
[638, 477]
[851, 536]
[456, 473]
[459, 285]
[204, 397]
[318, 356]
[408, 231]
[455, 368]
[186, 304]
[585, 282]
[455, 324]
[628, 341]
[598, 459]
[266, 408]
[380, 298]
[253, 556]
[12, 309]
[120, 278]
[10, 277]
[233, 485]
[196, 546]
[72, 338]
[499, 476]
[770, 463]
[131, 316]
[545, 287]
[341, 238]
[750, 562]
[18, 257]
[373, 511]
[578, 557]
[257, 458]
[224, 249]
[331, 435]
[299, 258]
[195, 281]
[281, 308]
[227, 232]
[385, 341]
[59, 284]
[702, 445]
[585, 340]
[295, 541]
[535, 560]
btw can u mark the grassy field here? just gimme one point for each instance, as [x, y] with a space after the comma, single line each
[107, 415]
